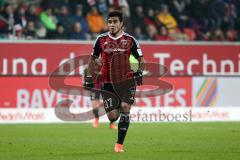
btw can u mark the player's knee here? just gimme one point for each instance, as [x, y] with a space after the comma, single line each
[125, 107]
[113, 116]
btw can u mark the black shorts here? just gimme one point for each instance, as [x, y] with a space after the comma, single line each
[114, 94]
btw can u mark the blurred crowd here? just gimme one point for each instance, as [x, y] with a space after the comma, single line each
[156, 20]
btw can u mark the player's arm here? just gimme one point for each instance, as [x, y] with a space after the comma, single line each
[141, 64]
[137, 53]
[88, 82]
[90, 69]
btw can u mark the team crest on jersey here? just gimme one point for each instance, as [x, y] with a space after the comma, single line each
[124, 44]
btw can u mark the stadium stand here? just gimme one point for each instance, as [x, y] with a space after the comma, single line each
[156, 20]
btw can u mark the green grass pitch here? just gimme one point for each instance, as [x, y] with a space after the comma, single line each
[145, 141]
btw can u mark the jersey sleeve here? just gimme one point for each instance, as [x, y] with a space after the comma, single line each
[97, 48]
[135, 49]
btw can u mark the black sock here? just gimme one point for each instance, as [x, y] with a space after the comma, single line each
[123, 127]
[95, 112]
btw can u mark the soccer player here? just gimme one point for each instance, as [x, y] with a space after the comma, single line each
[95, 96]
[95, 99]
[115, 48]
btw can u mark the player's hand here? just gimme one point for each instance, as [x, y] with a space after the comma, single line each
[138, 77]
[88, 82]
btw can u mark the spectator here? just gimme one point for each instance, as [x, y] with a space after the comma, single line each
[78, 33]
[137, 33]
[41, 31]
[210, 20]
[164, 35]
[213, 12]
[120, 4]
[126, 20]
[153, 4]
[83, 3]
[60, 32]
[32, 14]
[218, 8]
[102, 6]
[138, 19]
[152, 33]
[18, 33]
[22, 15]
[165, 18]
[65, 19]
[179, 10]
[91, 3]
[95, 21]
[48, 19]
[11, 19]
[230, 15]
[179, 35]
[30, 31]
[150, 18]
[237, 20]
[196, 9]
[231, 35]
[78, 17]
[190, 33]
[217, 35]
[53, 3]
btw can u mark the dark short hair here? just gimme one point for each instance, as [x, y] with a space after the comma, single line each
[116, 14]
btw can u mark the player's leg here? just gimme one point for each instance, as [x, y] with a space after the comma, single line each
[112, 125]
[122, 126]
[95, 98]
[123, 122]
[95, 104]
[113, 115]
[127, 95]
[112, 111]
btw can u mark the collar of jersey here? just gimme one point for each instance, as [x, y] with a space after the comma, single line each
[115, 38]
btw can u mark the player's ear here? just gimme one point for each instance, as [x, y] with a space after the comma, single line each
[121, 23]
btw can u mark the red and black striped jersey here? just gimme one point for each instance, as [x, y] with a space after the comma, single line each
[115, 53]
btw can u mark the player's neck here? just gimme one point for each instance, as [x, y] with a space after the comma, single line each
[117, 34]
